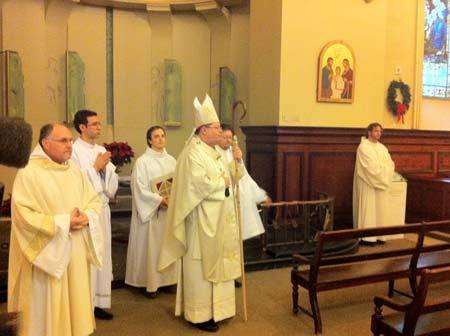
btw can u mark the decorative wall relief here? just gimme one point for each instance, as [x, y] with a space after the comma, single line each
[54, 82]
[172, 93]
[336, 73]
[157, 89]
[11, 83]
[227, 95]
[76, 99]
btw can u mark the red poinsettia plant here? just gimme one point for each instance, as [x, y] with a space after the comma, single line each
[121, 153]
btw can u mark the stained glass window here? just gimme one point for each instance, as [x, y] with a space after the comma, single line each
[436, 62]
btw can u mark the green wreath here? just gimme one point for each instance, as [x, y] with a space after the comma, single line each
[398, 108]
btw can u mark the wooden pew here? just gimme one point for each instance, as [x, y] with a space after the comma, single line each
[325, 273]
[419, 317]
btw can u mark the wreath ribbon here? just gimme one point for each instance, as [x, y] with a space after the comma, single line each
[401, 110]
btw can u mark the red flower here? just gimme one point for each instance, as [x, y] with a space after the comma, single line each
[121, 152]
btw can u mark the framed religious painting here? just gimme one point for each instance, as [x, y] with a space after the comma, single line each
[173, 80]
[227, 95]
[75, 77]
[336, 73]
[12, 96]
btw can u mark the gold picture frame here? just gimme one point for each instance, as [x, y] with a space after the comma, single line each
[336, 73]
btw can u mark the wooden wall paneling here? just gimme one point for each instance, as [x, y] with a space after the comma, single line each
[443, 161]
[332, 173]
[446, 202]
[280, 174]
[292, 179]
[261, 166]
[413, 161]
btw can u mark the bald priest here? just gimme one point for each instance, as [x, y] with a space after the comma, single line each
[55, 238]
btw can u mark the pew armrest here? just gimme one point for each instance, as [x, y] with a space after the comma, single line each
[301, 260]
[380, 301]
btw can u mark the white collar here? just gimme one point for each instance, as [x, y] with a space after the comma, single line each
[154, 153]
[85, 143]
[39, 153]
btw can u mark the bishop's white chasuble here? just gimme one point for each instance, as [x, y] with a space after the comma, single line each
[202, 230]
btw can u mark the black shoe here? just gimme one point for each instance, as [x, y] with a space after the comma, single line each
[102, 314]
[237, 284]
[367, 243]
[209, 326]
[168, 289]
[151, 295]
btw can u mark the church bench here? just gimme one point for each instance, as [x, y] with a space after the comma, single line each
[419, 317]
[398, 261]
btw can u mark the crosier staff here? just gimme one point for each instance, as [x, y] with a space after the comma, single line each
[237, 208]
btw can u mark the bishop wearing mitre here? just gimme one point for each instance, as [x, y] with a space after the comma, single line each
[201, 227]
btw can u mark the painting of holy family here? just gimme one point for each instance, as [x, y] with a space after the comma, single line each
[336, 73]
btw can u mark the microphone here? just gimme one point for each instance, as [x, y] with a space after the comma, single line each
[15, 142]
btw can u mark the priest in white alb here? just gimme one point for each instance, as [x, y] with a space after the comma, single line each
[55, 238]
[250, 193]
[95, 161]
[201, 227]
[374, 171]
[150, 188]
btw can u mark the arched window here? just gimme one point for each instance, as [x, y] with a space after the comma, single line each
[436, 62]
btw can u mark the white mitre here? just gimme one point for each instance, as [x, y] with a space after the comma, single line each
[204, 113]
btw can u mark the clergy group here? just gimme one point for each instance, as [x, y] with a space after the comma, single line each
[184, 236]
[184, 233]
